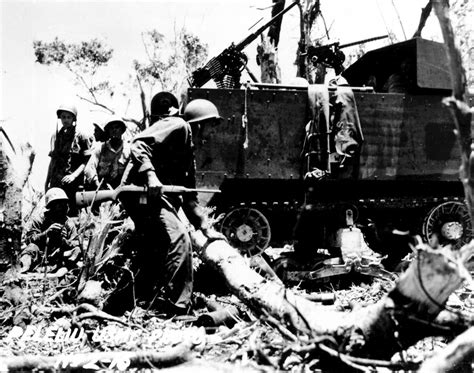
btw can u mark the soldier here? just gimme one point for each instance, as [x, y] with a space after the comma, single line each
[108, 159]
[51, 237]
[69, 155]
[163, 104]
[164, 154]
[99, 132]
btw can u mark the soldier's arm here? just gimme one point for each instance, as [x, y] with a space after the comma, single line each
[50, 166]
[48, 176]
[35, 233]
[85, 143]
[90, 170]
[71, 246]
[126, 176]
[71, 238]
[191, 207]
[141, 154]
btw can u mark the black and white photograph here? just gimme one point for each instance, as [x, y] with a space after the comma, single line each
[237, 186]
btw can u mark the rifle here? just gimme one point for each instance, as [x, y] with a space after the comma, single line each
[87, 198]
[332, 55]
[225, 68]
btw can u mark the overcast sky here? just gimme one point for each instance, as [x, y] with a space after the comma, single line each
[30, 93]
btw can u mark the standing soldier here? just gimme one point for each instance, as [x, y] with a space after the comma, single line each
[51, 237]
[164, 154]
[69, 155]
[108, 159]
[99, 132]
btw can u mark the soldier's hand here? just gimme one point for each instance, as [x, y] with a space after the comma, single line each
[68, 179]
[154, 185]
[54, 229]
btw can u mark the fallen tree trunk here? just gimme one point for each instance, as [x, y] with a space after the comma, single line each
[406, 315]
[117, 360]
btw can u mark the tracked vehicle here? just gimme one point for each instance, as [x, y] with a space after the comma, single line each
[403, 179]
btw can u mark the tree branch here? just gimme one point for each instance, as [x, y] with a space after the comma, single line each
[97, 104]
[117, 360]
[84, 83]
[142, 99]
[397, 321]
[425, 12]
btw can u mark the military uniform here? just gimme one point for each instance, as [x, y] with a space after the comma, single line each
[55, 246]
[165, 263]
[71, 148]
[106, 165]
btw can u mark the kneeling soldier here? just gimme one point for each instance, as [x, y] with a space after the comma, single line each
[51, 237]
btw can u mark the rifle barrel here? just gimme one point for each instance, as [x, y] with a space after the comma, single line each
[363, 41]
[206, 190]
[181, 189]
[85, 198]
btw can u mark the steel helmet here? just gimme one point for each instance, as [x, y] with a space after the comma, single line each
[200, 109]
[69, 108]
[55, 194]
[115, 119]
[100, 125]
[164, 103]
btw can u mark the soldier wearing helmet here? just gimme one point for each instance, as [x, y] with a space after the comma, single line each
[162, 105]
[163, 154]
[69, 153]
[199, 111]
[108, 159]
[53, 234]
[99, 132]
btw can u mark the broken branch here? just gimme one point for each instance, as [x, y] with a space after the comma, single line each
[117, 360]
[376, 331]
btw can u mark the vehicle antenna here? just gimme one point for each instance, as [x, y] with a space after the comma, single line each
[383, 20]
[399, 20]
[256, 23]
[324, 23]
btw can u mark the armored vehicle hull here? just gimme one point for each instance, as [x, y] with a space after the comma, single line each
[406, 174]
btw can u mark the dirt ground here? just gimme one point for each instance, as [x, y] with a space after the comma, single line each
[37, 319]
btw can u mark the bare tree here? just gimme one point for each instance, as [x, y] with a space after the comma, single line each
[169, 62]
[167, 65]
[83, 60]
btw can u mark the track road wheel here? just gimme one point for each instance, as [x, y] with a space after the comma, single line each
[247, 229]
[450, 223]
[283, 265]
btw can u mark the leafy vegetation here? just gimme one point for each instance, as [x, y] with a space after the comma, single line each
[168, 63]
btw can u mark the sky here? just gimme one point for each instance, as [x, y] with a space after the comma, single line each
[30, 93]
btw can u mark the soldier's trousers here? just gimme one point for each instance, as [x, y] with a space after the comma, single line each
[164, 259]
